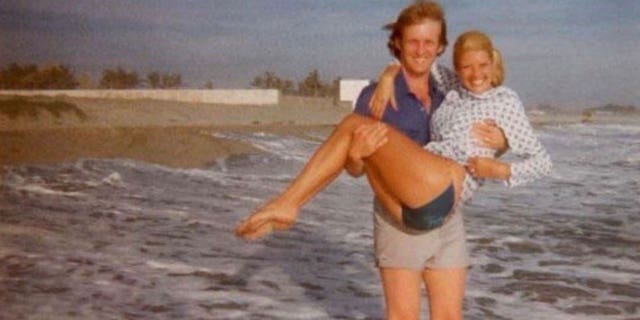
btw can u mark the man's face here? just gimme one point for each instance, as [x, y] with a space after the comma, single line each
[420, 46]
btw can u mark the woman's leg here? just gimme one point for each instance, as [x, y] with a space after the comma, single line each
[401, 293]
[402, 173]
[324, 166]
[445, 288]
[408, 173]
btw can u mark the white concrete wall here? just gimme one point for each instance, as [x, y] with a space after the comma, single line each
[219, 96]
[350, 89]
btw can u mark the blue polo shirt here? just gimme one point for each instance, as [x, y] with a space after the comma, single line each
[411, 118]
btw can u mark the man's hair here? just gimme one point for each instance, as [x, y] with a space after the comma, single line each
[477, 40]
[414, 14]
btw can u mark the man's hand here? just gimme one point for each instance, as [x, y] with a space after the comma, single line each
[488, 168]
[384, 92]
[487, 134]
[366, 139]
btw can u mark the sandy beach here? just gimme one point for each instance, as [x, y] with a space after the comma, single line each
[174, 134]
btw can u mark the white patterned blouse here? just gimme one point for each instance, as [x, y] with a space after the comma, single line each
[451, 137]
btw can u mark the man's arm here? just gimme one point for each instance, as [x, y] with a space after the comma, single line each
[487, 134]
[354, 165]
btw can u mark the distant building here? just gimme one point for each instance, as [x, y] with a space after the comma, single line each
[350, 89]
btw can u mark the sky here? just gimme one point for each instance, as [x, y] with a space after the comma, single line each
[569, 53]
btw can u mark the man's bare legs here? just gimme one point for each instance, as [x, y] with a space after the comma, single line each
[445, 289]
[401, 293]
[408, 174]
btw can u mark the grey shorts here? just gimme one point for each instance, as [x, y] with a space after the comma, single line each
[397, 247]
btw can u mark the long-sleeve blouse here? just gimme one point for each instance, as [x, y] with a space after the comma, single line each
[451, 133]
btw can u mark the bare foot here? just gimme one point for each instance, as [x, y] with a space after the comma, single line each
[275, 215]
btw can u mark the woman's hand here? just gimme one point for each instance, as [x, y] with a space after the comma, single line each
[384, 92]
[487, 134]
[488, 168]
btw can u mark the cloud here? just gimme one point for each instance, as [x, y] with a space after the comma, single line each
[229, 42]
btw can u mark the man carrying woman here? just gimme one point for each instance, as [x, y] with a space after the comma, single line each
[419, 234]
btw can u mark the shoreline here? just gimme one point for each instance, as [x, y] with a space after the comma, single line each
[178, 134]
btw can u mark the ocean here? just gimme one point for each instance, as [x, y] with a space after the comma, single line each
[120, 239]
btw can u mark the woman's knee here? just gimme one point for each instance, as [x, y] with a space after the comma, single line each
[352, 121]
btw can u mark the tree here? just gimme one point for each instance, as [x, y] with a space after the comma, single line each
[119, 79]
[54, 76]
[157, 80]
[13, 77]
[153, 79]
[85, 81]
[271, 81]
[171, 80]
[311, 85]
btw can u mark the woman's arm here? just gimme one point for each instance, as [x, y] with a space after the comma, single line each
[384, 92]
[488, 168]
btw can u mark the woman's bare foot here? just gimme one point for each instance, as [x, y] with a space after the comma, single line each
[275, 215]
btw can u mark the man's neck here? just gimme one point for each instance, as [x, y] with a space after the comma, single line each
[418, 84]
[419, 81]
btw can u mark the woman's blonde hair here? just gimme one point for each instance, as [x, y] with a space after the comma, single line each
[477, 40]
[414, 14]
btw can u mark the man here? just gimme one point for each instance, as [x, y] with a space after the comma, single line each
[406, 259]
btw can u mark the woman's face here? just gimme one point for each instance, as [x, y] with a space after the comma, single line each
[475, 70]
[420, 46]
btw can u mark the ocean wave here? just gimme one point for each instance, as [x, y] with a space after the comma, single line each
[114, 179]
[39, 189]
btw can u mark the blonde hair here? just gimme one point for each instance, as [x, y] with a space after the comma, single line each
[412, 15]
[477, 40]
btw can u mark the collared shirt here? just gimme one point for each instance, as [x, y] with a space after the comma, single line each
[411, 118]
